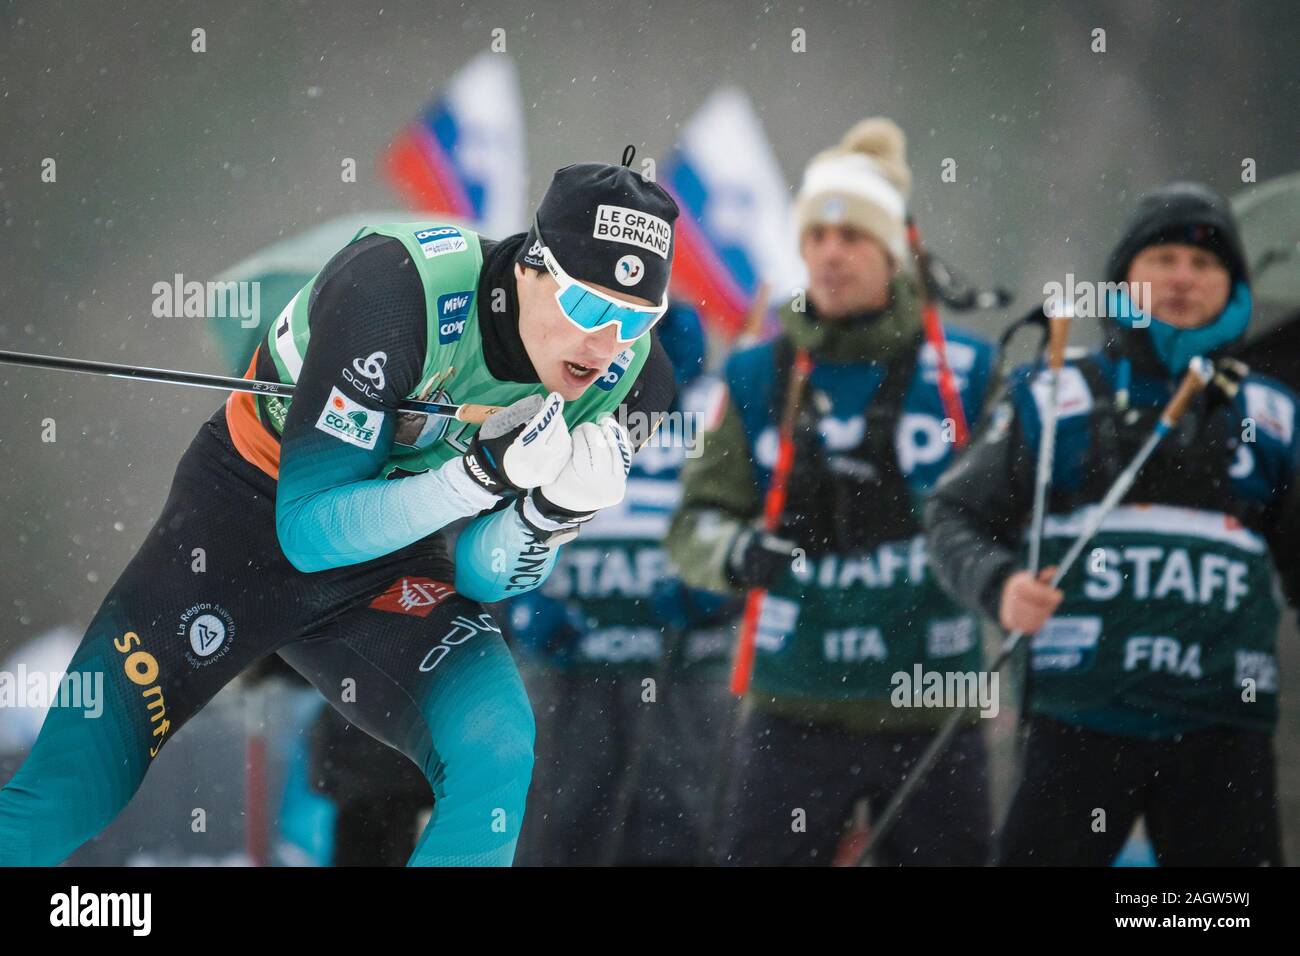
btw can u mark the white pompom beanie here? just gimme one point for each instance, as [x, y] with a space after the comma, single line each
[863, 182]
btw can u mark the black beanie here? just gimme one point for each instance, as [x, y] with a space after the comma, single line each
[609, 226]
[1180, 212]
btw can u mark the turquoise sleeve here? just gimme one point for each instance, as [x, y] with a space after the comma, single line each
[322, 524]
[498, 556]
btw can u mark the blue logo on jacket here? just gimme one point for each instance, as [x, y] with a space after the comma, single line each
[453, 309]
[622, 361]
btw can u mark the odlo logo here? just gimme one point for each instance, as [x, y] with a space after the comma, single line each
[532, 433]
[453, 312]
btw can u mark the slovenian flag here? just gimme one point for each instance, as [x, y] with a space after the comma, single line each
[736, 228]
[464, 157]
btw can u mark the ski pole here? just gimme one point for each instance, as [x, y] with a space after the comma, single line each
[474, 414]
[1059, 335]
[1199, 373]
[774, 504]
[948, 393]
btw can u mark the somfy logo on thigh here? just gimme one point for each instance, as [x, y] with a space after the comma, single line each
[922, 688]
[210, 631]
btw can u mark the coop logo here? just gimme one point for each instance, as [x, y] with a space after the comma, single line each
[210, 631]
[629, 270]
[441, 240]
[453, 312]
[75, 908]
[348, 421]
[141, 669]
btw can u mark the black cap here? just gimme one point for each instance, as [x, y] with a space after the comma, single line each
[1180, 212]
[609, 226]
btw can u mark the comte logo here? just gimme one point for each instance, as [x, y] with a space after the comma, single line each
[349, 421]
[453, 310]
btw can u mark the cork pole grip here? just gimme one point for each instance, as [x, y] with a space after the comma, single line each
[476, 414]
[1198, 376]
[1058, 336]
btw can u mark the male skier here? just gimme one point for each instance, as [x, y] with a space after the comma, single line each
[313, 528]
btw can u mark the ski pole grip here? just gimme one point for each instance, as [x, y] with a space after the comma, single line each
[1199, 373]
[476, 414]
[1058, 336]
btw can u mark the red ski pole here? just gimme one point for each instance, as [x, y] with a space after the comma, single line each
[774, 503]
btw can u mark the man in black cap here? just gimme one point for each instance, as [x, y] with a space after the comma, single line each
[1153, 673]
[317, 529]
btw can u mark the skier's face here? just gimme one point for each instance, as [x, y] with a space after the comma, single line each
[848, 270]
[567, 358]
[1189, 285]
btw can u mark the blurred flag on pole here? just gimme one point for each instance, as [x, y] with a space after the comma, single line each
[736, 225]
[464, 157]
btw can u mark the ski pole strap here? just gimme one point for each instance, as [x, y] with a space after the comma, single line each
[948, 394]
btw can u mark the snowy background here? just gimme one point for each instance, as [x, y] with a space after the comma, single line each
[171, 161]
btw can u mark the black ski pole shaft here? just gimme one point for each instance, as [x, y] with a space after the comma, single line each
[226, 383]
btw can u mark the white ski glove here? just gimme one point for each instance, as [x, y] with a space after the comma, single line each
[521, 447]
[594, 478]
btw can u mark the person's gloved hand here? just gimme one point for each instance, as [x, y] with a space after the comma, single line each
[757, 558]
[520, 447]
[595, 477]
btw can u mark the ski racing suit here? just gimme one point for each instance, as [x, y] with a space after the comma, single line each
[314, 528]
